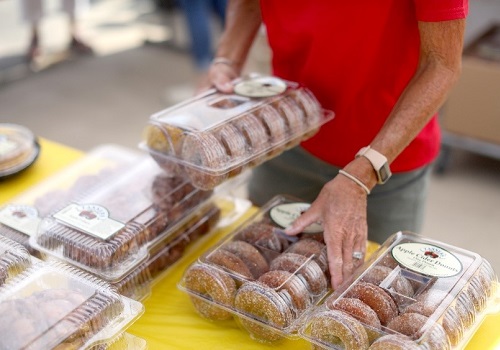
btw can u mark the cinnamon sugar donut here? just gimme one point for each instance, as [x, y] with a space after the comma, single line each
[275, 127]
[294, 119]
[394, 342]
[230, 262]
[311, 108]
[250, 255]
[163, 142]
[291, 285]
[236, 147]
[376, 298]
[214, 286]
[260, 234]
[335, 328]
[306, 268]
[206, 154]
[268, 314]
[360, 311]
[311, 248]
[377, 274]
[255, 135]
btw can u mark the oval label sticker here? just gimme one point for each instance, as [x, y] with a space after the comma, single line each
[427, 259]
[260, 87]
[285, 214]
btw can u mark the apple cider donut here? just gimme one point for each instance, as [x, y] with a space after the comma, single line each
[294, 119]
[376, 298]
[230, 262]
[206, 154]
[394, 342]
[311, 248]
[311, 108]
[294, 287]
[268, 313]
[304, 267]
[255, 135]
[337, 328]
[214, 286]
[261, 235]
[250, 255]
[275, 127]
[236, 147]
[377, 274]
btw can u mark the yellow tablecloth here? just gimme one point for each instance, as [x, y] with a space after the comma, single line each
[170, 321]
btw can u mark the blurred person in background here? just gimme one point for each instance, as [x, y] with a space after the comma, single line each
[384, 67]
[32, 12]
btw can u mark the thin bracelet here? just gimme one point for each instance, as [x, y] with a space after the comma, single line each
[223, 60]
[356, 180]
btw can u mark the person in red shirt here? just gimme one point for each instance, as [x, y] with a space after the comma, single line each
[384, 67]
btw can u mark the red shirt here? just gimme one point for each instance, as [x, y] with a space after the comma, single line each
[356, 57]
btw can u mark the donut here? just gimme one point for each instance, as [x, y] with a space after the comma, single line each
[412, 325]
[256, 263]
[337, 329]
[389, 261]
[210, 287]
[163, 143]
[255, 135]
[230, 262]
[294, 119]
[261, 235]
[465, 306]
[285, 282]
[236, 148]
[397, 283]
[394, 342]
[205, 154]
[306, 268]
[376, 298]
[266, 312]
[311, 108]
[311, 248]
[360, 311]
[275, 127]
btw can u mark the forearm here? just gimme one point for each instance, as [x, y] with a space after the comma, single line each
[243, 20]
[439, 69]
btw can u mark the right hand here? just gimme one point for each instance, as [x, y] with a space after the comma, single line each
[220, 76]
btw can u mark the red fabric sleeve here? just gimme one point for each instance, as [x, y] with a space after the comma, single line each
[441, 10]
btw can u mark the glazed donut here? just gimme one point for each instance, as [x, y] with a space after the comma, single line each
[376, 298]
[303, 267]
[268, 313]
[332, 327]
[255, 135]
[230, 262]
[275, 127]
[412, 325]
[394, 342]
[236, 147]
[206, 153]
[286, 282]
[256, 263]
[261, 235]
[377, 274]
[212, 287]
[360, 311]
[311, 248]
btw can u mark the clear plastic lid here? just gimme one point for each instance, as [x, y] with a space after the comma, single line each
[53, 305]
[107, 231]
[123, 341]
[260, 276]
[165, 252]
[414, 291]
[20, 217]
[18, 148]
[14, 259]
[215, 136]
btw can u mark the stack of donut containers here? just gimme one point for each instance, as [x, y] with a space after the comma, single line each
[413, 292]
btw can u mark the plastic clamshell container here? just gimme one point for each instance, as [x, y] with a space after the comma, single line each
[259, 276]
[19, 219]
[18, 148]
[54, 305]
[420, 293]
[215, 136]
[123, 341]
[14, 259]
[108, 231]
[165, 252]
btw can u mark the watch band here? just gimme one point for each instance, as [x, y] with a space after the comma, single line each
[378, 162]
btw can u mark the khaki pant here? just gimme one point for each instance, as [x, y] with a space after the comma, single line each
[395, 206]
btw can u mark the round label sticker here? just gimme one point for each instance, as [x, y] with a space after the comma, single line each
[427, 259]
[260, 87]
[285, 214]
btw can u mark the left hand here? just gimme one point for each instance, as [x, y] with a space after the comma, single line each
[341, 208]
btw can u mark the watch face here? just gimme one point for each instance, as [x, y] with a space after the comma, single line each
[385, 173]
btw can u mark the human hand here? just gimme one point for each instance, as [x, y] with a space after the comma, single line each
[220, 75]
[341, 208]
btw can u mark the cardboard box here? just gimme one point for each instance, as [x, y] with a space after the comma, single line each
[473, 107]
